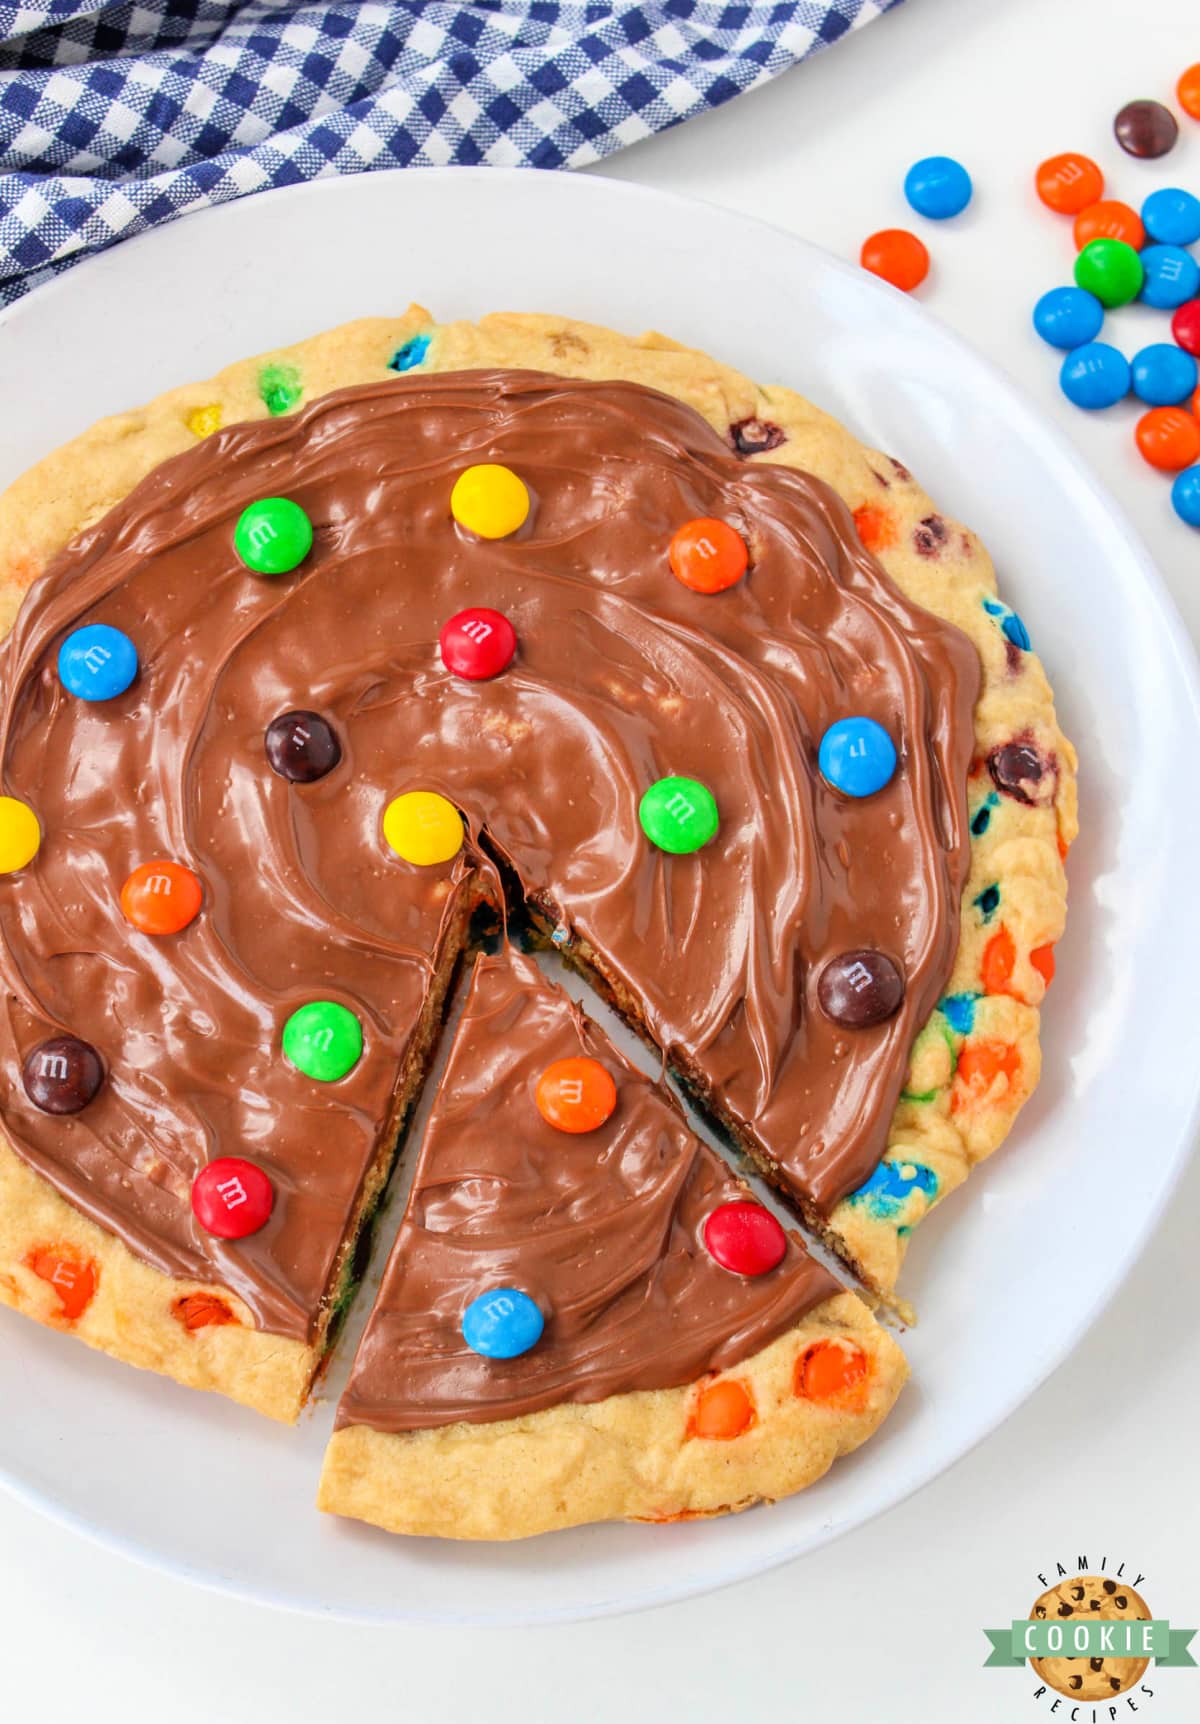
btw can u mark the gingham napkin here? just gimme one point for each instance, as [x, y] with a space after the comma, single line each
[114, 118]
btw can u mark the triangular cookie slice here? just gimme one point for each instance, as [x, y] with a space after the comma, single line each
[586, 1316]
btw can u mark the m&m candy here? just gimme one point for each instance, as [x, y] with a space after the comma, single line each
[1163, 374]
[423, 828]
[1188, 91]
[1185, 326]
[20, 835]
[1095, 375]
[1109, 219]
[97, 662]
[273, 536]
[679, 815]
[489, 501]
[62, 1075]
[860, 988]
[897, 256]
[1067, 317]
[744, 1238]
[323, 1039]
[1172, 216]
[302, 746]
[232, 1198]
[1146, 129]
[1185, 496]
[477, 644]
[707, 555]
[1172, 276]
[1168, 438]
[1069, 183]
[161, 897]
[576, 1094]
[937, 187]
[502, 1324]
[857, 756]
[1110, 269]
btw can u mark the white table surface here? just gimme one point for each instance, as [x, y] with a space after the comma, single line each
[886, 1624]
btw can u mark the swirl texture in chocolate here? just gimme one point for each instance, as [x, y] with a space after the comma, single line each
[622, 676]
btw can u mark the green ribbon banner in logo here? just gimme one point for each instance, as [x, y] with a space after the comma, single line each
[1088, 1639]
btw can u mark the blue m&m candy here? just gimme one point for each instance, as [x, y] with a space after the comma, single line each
[1163, 374]
[1185, 496]
[1172, 216]
[1094, 375]
[1068, 316]
[937, 187]
[1170, 276]
[97, 662]
[857, 756]
[502, 1324]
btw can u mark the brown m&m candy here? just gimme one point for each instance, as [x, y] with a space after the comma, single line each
[62, 1075]
[302, 746]
[1017, 769]
[860, 988]
[1146, 129]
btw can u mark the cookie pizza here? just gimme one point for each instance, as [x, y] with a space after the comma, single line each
[312, 666]
[649, 1343]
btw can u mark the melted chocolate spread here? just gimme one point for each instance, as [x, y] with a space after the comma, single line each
[622, 676]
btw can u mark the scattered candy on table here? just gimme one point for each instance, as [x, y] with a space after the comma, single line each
[745, 1238]
[477, 644]
[161, 897]
[489, 501]
[1110, 269]
[1095, 375]
[1109, 219]
[1172, 216]
[938, 187]
[897, 256]
[20, 834]
[1185, 326]
[1172, 276]
[857, 756]
[62, 1075]
[1168, 438]
[323, 1039]
[576, 1095]
[1069, 183]
[1188, 91]
[502, 1324]
[1145, 129]
[679, 815]
[97, 662]
[232, 1198]
[273, 536]
[423, 828]
[708, 555]
[1185, 496]
[1068, 317]
[1162, 374]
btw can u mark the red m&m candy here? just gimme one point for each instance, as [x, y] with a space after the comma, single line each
[232, 1198]
[477, 644]
[1185, 326]
[161, 897]
[745, 1238]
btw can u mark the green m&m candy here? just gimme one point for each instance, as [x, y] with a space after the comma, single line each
[273, 535]
[1111, 270]
[323, 1040]
[678, 815]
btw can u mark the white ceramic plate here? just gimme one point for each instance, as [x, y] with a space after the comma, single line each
[1010, 1272]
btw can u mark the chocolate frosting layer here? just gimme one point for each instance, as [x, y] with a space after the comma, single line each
[604, 1231]
[622, 676]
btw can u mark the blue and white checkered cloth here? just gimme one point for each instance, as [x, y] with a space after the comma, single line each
[114, 118]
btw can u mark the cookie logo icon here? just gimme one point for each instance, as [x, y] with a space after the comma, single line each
[1094, 1598]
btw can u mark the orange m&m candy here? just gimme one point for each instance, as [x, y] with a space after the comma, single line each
[1068, 183]
[834, 1373]
[897, 256]
[576, 1094]
[161, 897]
[707, 555]
[1109, 219]
[1169, 438]
[1188, 91]
[722, 1411]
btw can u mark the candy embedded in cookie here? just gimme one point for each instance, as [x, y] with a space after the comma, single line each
[576, 1095]
[502, 1324]
[97, 662]
[423, 828]
[477, 644]
[302, 747]
[273, 536]
[62, 1075]
[161, 897]
[232, 1198]
[324, 1040]
[679, 815]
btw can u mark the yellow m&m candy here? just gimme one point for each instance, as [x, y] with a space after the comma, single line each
[20, 834]
[489, 500]
[423, 827]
